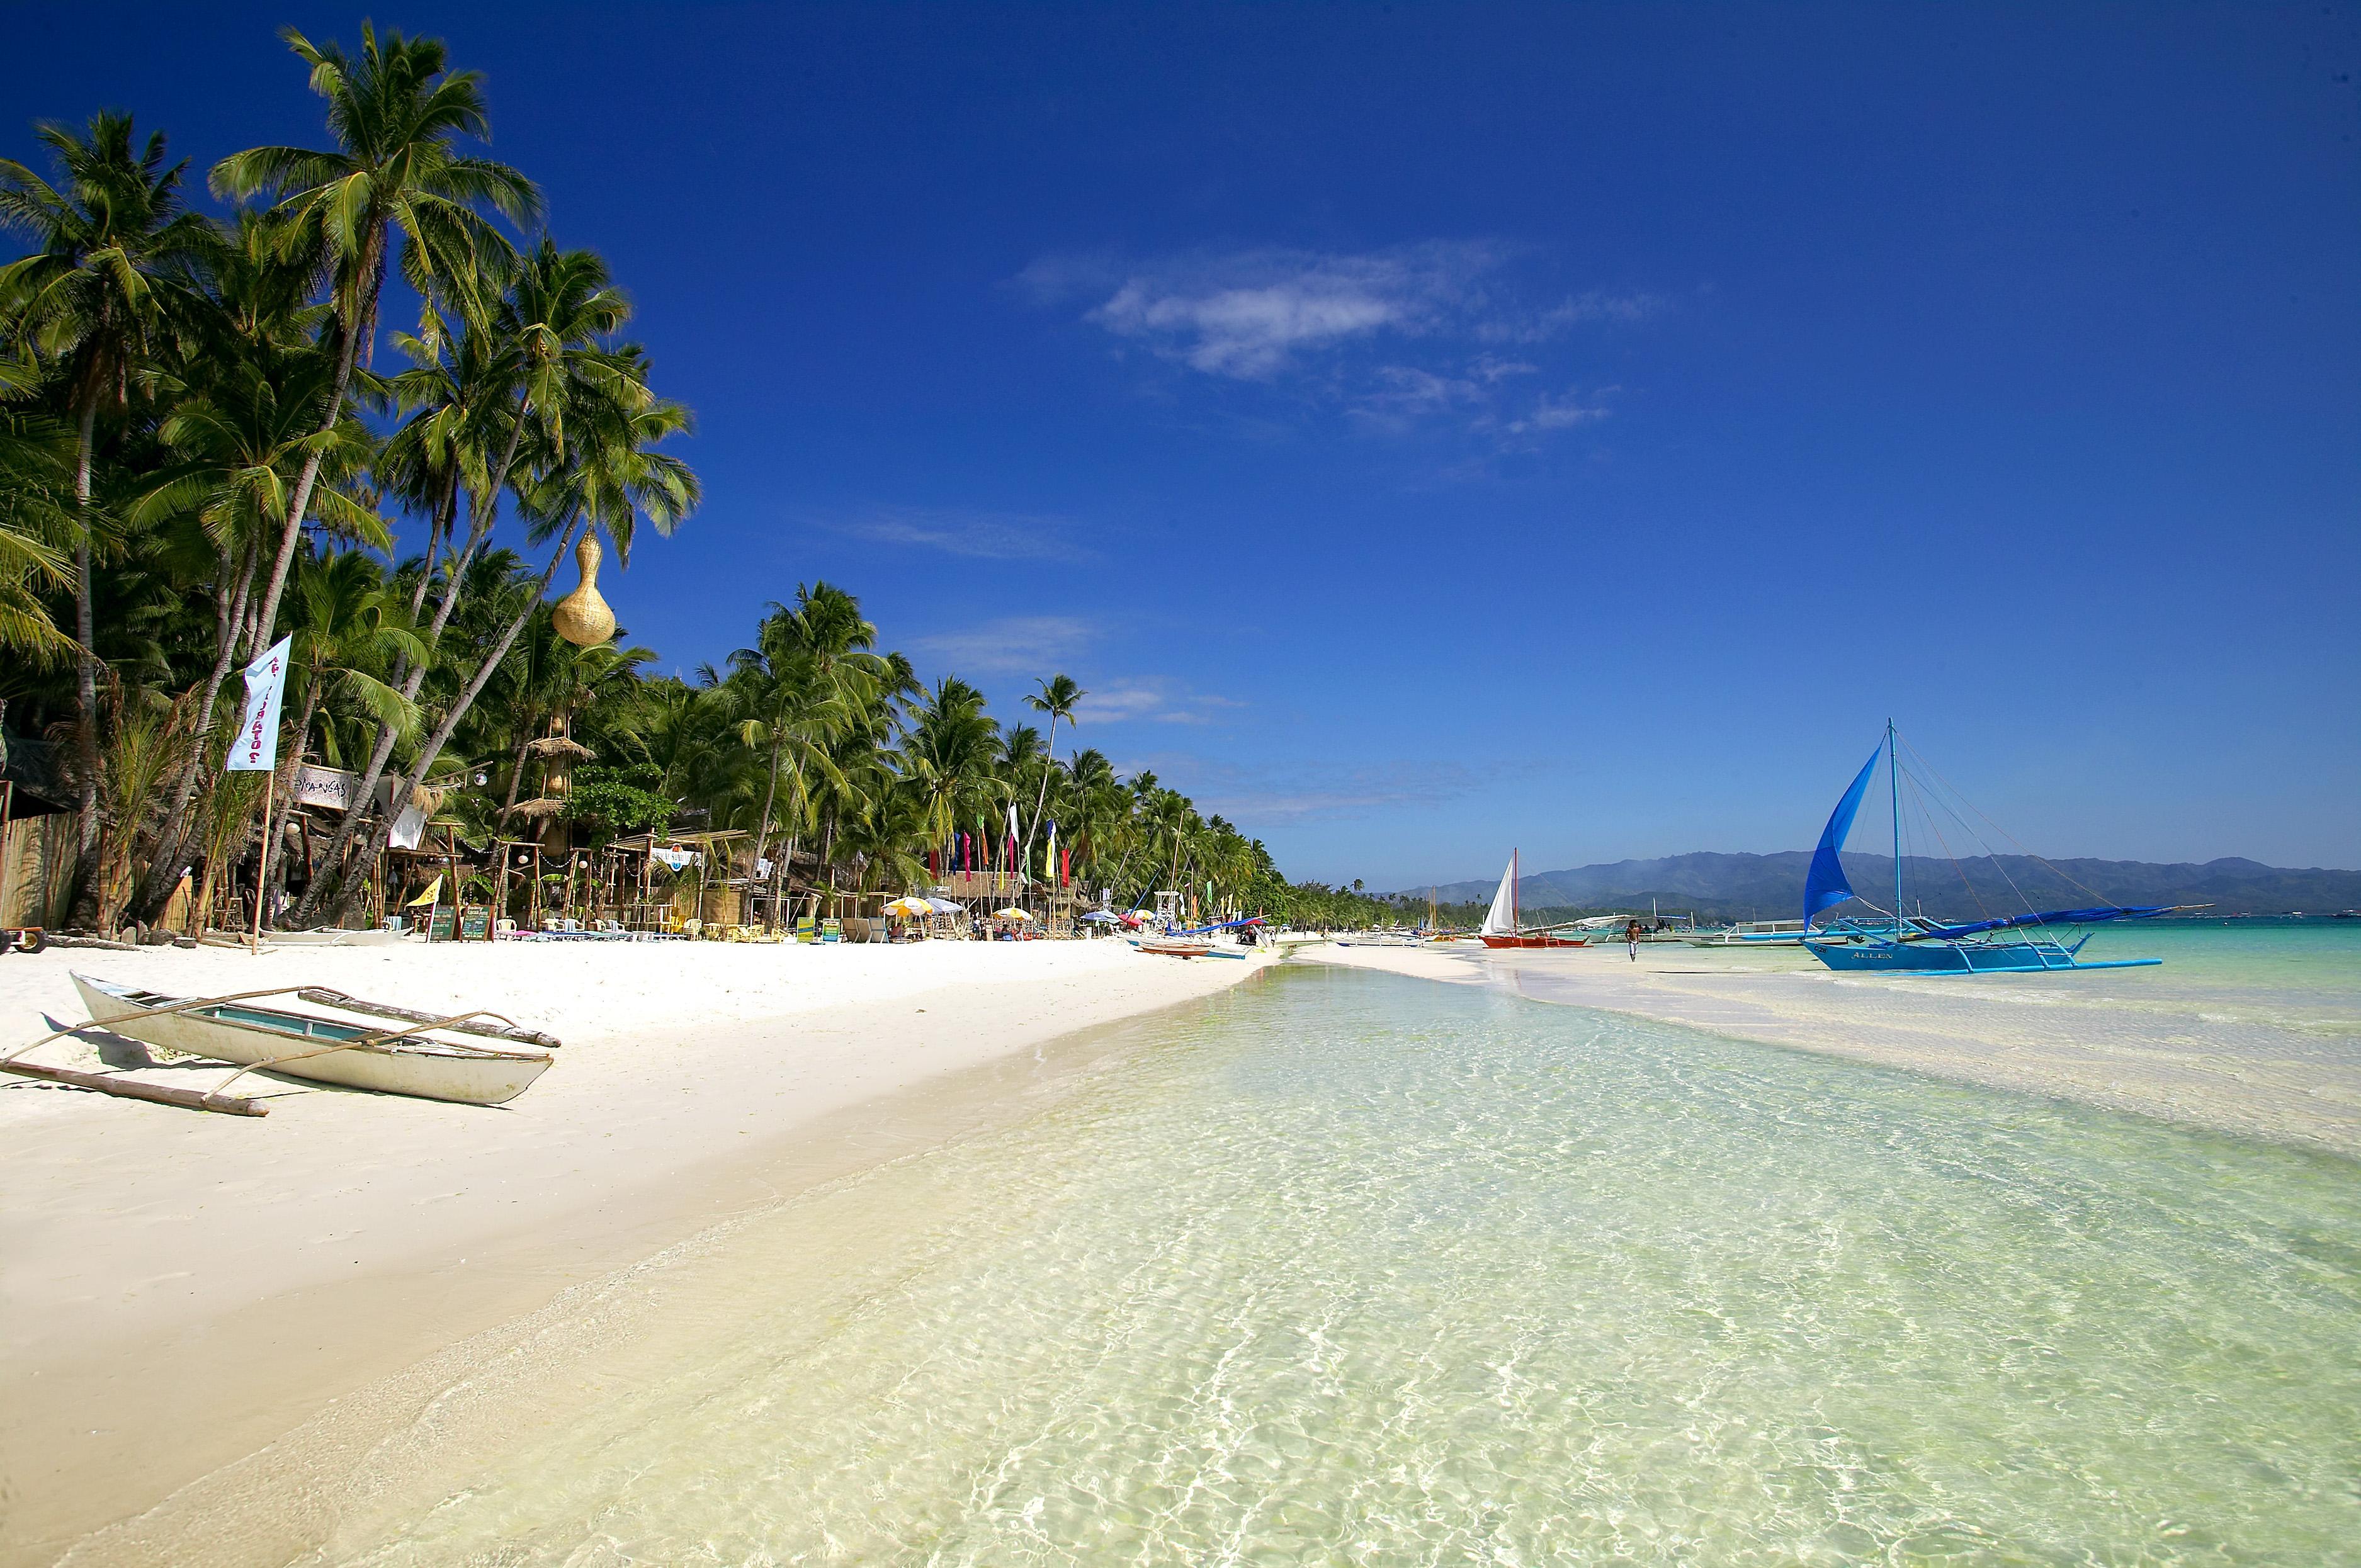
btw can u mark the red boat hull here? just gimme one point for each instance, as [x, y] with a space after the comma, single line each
[1541, 941]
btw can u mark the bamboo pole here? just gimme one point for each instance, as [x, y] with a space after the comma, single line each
[507, 1028]
[262, 860]
[132, 1088]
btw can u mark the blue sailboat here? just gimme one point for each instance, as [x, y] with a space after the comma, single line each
[1902, 944]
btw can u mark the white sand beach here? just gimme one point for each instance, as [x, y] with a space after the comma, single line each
[179, 1287]
[2137, 1040]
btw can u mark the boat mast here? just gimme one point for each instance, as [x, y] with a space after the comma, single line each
[1516, 894]
[1893, 795]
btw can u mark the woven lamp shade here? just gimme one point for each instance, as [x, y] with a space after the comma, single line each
[582, 617]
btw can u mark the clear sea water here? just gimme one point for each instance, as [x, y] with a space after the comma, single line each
[1342, 1267]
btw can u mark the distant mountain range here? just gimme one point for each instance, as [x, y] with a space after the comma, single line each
[1769, 887]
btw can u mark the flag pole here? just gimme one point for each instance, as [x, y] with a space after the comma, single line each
[262, 863]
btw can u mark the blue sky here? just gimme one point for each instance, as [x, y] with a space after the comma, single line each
[1427, 430]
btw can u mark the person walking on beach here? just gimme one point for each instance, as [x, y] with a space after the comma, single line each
[1632, 939]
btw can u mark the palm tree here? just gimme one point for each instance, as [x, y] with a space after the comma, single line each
[244, 439]
[809, 674]
[544, 350]
[395, 114]
[948, 754]
[38, 523]
[111, 269]
[349, 626]
[1057, 697]
[609, 476]
[546, 682]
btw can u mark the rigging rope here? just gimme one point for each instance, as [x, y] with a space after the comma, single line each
[1919, 794]
[2005, 833]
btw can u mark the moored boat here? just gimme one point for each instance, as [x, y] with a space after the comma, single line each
[1501, 928]
[1751, 934]
[305, 1045]
[1896, 943]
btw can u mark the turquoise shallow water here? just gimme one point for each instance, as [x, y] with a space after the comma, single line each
[2301, 974]
[1346, 1267]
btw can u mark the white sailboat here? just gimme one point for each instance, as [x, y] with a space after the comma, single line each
[1501, 928]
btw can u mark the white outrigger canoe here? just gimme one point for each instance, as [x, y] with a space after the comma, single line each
[303, 1045]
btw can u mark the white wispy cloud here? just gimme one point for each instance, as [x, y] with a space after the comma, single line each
[1028, 644]
[1153, 699]
[1295, 792]
[955, 530]
[1034, 646]
[1593, 306]
[1560, 414]
[1404, 338]
[1251, 314]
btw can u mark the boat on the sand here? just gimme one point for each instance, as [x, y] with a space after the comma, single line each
[333, 936]
[1172, 949]
[307, 1046]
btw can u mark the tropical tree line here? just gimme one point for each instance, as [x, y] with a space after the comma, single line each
[371, 408]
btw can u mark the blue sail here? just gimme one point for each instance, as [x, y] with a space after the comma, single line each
[1825, 885]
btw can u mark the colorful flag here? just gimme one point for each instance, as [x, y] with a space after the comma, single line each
[255, 751]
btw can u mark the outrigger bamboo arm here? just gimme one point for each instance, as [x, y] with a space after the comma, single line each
[132, 1088]
[502, 1026]
[185, 1007]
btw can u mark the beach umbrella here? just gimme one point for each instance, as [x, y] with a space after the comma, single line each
[910, 906]
[1101, 917]
[1012, 912]
[944, 905]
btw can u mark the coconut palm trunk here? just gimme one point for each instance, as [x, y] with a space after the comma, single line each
[176, 843]
[481, 515]
[85, 633]
[373, 850]
[308, 477]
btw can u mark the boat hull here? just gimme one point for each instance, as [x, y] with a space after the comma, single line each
[414, 1065]
[1176, 949]
[1957, 958]
[332, 939]
[1536, 941]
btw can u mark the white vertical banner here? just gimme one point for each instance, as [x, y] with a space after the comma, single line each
[255, 750]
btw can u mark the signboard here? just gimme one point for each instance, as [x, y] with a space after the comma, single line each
[330, 789]
[333, 789]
